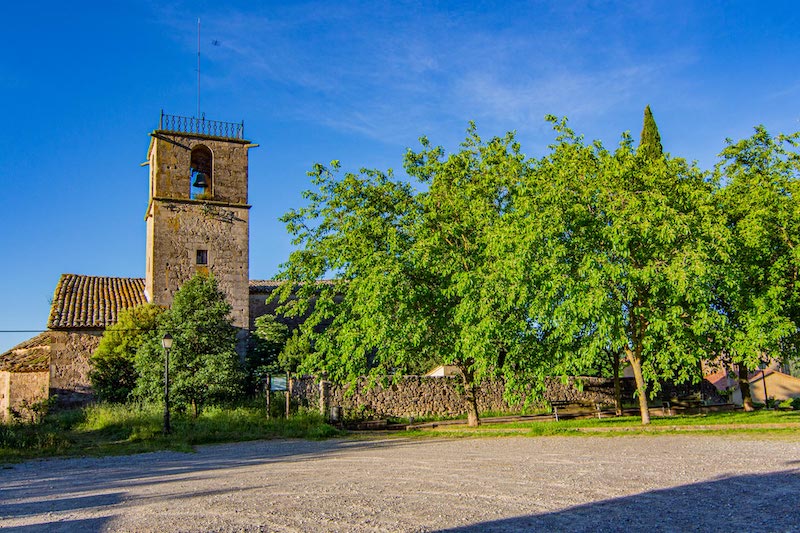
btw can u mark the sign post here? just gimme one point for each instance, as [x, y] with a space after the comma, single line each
[279, 384]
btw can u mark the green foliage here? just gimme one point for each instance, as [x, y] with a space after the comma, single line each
[760, 292]
[33, 412]
[113, 375]
[204, 365]
[616, 253]
[273, 350]
[650, 139]
[525, 268]
[296, 350]
[266, 344]
[415, 272]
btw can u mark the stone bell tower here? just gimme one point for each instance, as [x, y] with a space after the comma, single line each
[198, 216]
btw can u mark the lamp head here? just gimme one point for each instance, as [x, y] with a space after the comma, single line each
[166, 341]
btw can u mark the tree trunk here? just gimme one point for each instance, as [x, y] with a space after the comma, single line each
[617, 385]
[641, 389]
[744, 387]
[470, 398]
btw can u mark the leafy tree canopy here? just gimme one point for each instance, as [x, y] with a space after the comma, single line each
[204, 365]
[760, 293]
[615, 253]
[266, 345]
[504, 265]
[413, 271]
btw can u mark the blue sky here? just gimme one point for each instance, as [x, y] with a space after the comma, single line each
[82, 85]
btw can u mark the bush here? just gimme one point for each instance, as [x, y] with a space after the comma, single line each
[795, 403]
[113, 374]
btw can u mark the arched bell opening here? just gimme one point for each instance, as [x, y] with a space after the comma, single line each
[202, 164]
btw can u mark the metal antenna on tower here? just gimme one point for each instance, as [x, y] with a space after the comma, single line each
[198, 67]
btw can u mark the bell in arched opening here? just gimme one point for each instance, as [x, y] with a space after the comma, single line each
[202, 164]
[201, 181]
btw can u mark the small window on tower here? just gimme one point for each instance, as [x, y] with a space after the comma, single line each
[202, 257]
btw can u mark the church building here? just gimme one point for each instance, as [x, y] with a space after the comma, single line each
[197, 220]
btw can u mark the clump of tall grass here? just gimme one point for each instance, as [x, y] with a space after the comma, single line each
[110, 429]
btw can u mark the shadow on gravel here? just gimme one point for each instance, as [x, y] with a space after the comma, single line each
[55, 485]
[61, 504]
[89, 525]
[759, 502]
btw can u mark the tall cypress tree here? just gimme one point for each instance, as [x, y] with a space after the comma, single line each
[650, 141]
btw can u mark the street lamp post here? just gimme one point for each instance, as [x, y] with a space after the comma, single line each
[166, 342]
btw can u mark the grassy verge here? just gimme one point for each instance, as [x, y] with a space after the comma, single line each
[125, 429]
[760, 422]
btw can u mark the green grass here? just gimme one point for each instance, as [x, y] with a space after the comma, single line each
[126, 429]
[723, 422]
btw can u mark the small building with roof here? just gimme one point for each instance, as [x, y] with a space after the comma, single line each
[770, 383]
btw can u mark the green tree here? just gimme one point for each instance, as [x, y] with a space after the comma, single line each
[620, 248]
[650, 139]
[113, 374]
[296, 350]
[204, 365]
[414, 277]
[760, 293]
[269, 350]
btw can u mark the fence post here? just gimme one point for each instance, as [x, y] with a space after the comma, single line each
[268, 392]
[288, 393]
[324, 397]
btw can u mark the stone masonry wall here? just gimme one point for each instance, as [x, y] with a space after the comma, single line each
[170, 163]
[5, 381]
[69, 365]
[180, 229]
[438, 396]
[178, 226]
[19, 388]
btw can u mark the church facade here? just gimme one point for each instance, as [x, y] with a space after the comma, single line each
[197, 220]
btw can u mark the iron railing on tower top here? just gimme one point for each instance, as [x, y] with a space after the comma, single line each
[201, 126]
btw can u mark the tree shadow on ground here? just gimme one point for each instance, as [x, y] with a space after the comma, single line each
[753, 502]
[88, 525]
[44, 488]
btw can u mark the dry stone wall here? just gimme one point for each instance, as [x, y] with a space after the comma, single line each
[435, 396]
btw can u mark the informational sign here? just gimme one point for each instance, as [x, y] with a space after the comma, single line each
[278, 383]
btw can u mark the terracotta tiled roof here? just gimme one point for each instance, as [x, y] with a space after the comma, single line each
[33, 355]
[93, 302]
[263, 286]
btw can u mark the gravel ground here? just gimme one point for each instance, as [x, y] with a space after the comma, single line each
[654, 483]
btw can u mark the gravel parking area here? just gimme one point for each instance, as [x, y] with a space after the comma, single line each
[654, 483]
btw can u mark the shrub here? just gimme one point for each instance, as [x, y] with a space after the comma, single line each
[113, 374]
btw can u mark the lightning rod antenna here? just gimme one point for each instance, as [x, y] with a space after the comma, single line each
[198, 67]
